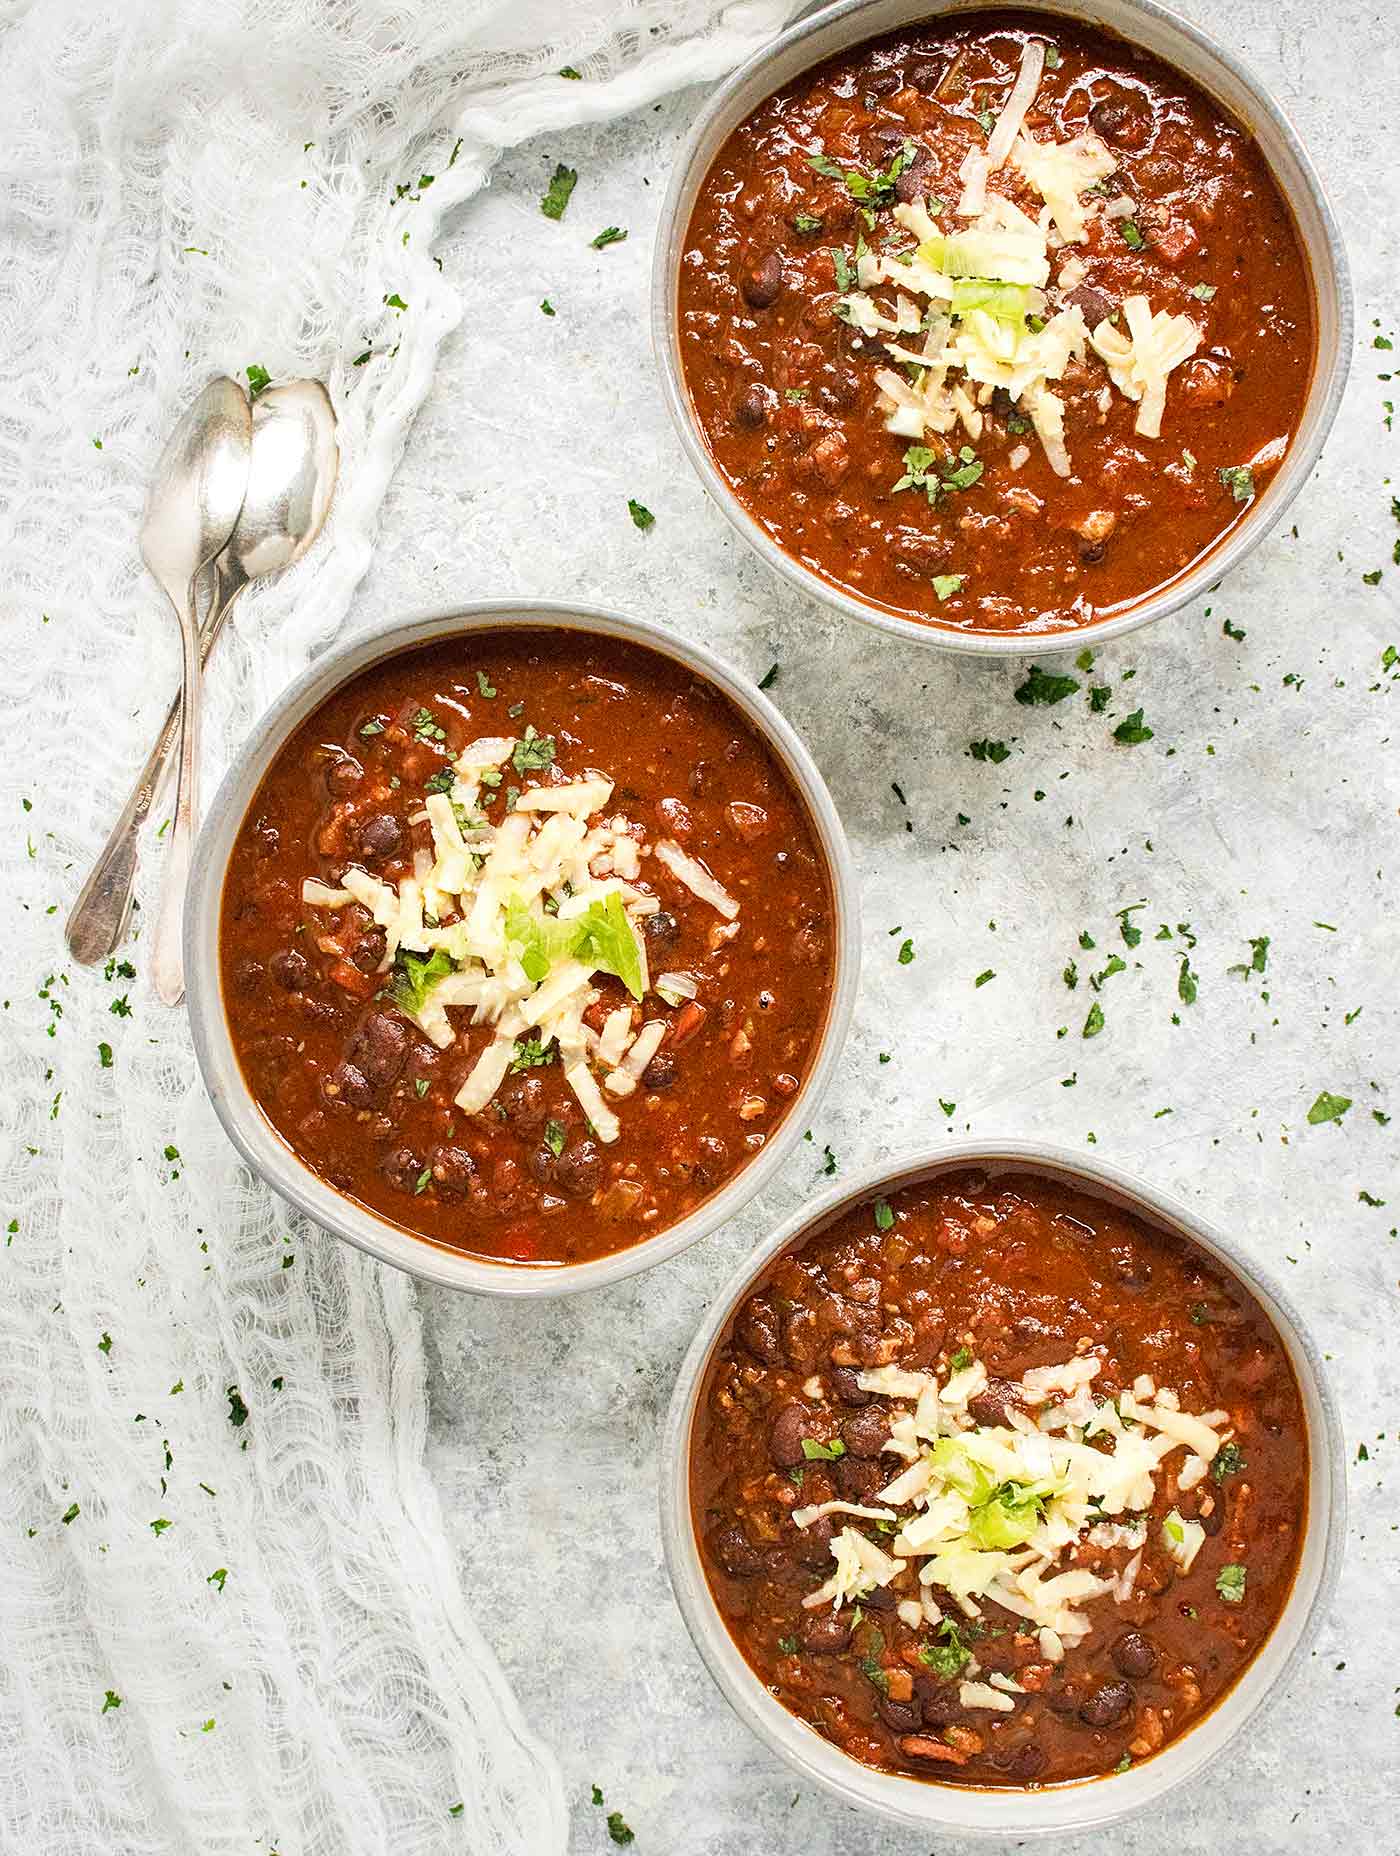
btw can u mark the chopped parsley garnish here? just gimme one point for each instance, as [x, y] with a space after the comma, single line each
[414, 977]
[1093, 1024]
[555, 1136]
[546, 307]
[642, 517]
[925, 470]
[104, 1056]
[845, 276]
[423, 1181]
[948, 1658]
[370, 728]
[1229, 1461]
[1186, 982]
[1040, 688]
[484, 685]
[111, 1700]
[567, 70]
[1229, 1583]
[258, 380]
[1328, 1108]
[884, 1215]
[874, 189]
[1132, 234]
[824, 1453]
[1238, 479]
[806, 222]
[237, 1410]
[994, 751]
[530, 1054]
[788, 1645]
[1132, 730]
[618, 1830]
[906, 953]
[532, 752]
[769, 677]
[960, 1361]
[947, 1107]
[982, 978]
[610, 235]
[441, 781]
[1233, 631]
[561, 185]
[427, 728]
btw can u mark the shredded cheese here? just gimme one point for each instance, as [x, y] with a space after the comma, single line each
[1140, 361]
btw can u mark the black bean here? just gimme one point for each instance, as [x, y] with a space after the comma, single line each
[938, 1699]
[826, 1633]
[905, 1717]
[793, 1424]
[369, 950]
[579, 1170]
[248, 974]
[380, 837]
[524, 1105]
[1092, 552]
[731, 1548]
[762, 281]
[916, 179]
[866, 1432]
[859, 1477]
[660, 929]
[661, 1072]
[344, 775]
[379, 1048]
[290, 968]
[402, 1168]
[992, 1406]
[347, 1086]
[845, 1382]
[1096, 306]
[757, 1329]
[453, 1171]
[751, 407]
[541, 1165]
[1134, 1655]
[813, 1544]
[1107, 1705]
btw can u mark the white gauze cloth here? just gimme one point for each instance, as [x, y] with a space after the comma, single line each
[229, 1619]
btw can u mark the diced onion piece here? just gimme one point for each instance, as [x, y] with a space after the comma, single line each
[982, 1695]
[696, 878]
[675, 988]
[1013, 112]
[322, 896]
[1041, 1381]
[909, 1611]
[605, 1124]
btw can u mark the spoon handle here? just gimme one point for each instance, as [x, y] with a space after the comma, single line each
[167, 960]
[99, 917]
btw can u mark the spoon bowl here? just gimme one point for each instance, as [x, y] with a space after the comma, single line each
[292, 469]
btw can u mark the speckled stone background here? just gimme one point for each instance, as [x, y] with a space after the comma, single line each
[1265, 804]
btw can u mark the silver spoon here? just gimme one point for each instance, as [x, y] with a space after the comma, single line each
[293, 464]
[191, 511]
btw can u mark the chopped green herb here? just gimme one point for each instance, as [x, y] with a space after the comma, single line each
[1238, 479]
[906, 953]
[1233, 631]
[1203, 292]
[1040, 688]
[1186, 982]
[532, 752]
[546, 307]
[111, 1700]
[642, 517]
[948, 1658]
[788, 1645]
[561, 185]
[1132, 730]
[610, 235]
[806, 222]
[824, 1453]
[1229, 1583]
[982, 978]
[1328, 1108]
[258, 380]
[555, 1136]
[618, 1830]
[884, 1215]
[531, 1054]
[994, 751]
[1229, 1460]
[1132, 235]
[769, 677]
[237, 1410]
[104, 1056]
[1093, 1024]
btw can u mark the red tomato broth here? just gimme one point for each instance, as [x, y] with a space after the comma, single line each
[1017, 1269]
[784, 391]
[304, 988]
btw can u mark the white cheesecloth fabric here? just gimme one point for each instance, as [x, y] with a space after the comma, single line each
[229, 1620]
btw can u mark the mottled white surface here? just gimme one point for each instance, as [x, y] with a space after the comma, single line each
[1266, 804]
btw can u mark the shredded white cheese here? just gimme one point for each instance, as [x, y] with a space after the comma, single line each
[1140, 361]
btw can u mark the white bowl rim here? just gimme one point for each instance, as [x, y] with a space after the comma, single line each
[1330, 370]
[1086, 1805]
[249, 1129]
